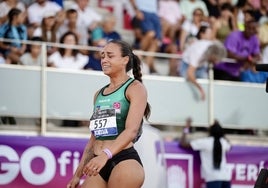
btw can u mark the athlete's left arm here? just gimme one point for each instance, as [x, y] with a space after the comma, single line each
[137, 95]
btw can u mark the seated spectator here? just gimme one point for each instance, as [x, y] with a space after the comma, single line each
[244, 48]
[213, 6]
[105, 32]
[190, 28]
[171, 19]
[100, 36]
[88, 18]
[94, 62]
[225, 23]
[30, 31]
[261, 11]
[7, 5]
[148, 35]
[13, 29]
[117, 7]
[48, 30]
[239, 13]
[33, 56]
[198, 55]
[147, 26]
[189, 6]
[71, 24]
[37, 10]
[68, 57]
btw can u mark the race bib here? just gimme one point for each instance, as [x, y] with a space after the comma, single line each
[103, 123]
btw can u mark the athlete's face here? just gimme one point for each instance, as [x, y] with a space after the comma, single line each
[112, 61]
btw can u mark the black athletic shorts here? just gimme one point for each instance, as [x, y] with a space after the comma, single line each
[126, 154]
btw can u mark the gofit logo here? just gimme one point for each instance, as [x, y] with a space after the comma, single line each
[14, 164]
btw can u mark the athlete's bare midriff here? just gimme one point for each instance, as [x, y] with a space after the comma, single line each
[99, 145]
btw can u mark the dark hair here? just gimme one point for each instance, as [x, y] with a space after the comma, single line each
[202, 30]
[216, 131]
[12, 13]
[227, 6]
[62, 50]
[134, 63]
[241, 3]
[34, 39]
[71, 11]
[198, 9]
[53, 32]
[251, 13]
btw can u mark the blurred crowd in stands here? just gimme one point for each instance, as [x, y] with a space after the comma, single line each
[239, 28]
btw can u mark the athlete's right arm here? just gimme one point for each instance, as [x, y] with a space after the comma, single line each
[88, 154]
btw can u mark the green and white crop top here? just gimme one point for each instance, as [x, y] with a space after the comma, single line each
[110, 113]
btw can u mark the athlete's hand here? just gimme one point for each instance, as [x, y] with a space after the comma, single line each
[73, 183]
[94, 166]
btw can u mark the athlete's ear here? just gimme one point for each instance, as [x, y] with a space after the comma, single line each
[126, 59]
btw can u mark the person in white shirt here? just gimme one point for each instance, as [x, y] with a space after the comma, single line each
[188, 7]
[7, 5]
[171, 19]
[195, 58]
[68, 58]
[33, 56]
[212, 150]
[71, 24]
[88, 18]
[37, 10]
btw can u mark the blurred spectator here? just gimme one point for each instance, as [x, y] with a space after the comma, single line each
[239, 13]
[171, 19]
[190, 28]
[68, 57]
[94, 62]
[100, 36]
[225, 23]
[48, 30]
[213, 6]
[263, 34]
[30, 31]
[106, 31]
[261, 13]
[148, 37]
[213, 152]
[198, 55]
[88, 18]
[117, 7]
[244, 48]
[147, 28]
[189, 6]
[16, 30]
[37, 10]
[6, 6]
[33, 56]
[71, 24]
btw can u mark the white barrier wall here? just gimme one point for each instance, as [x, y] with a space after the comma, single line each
[69, 95]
